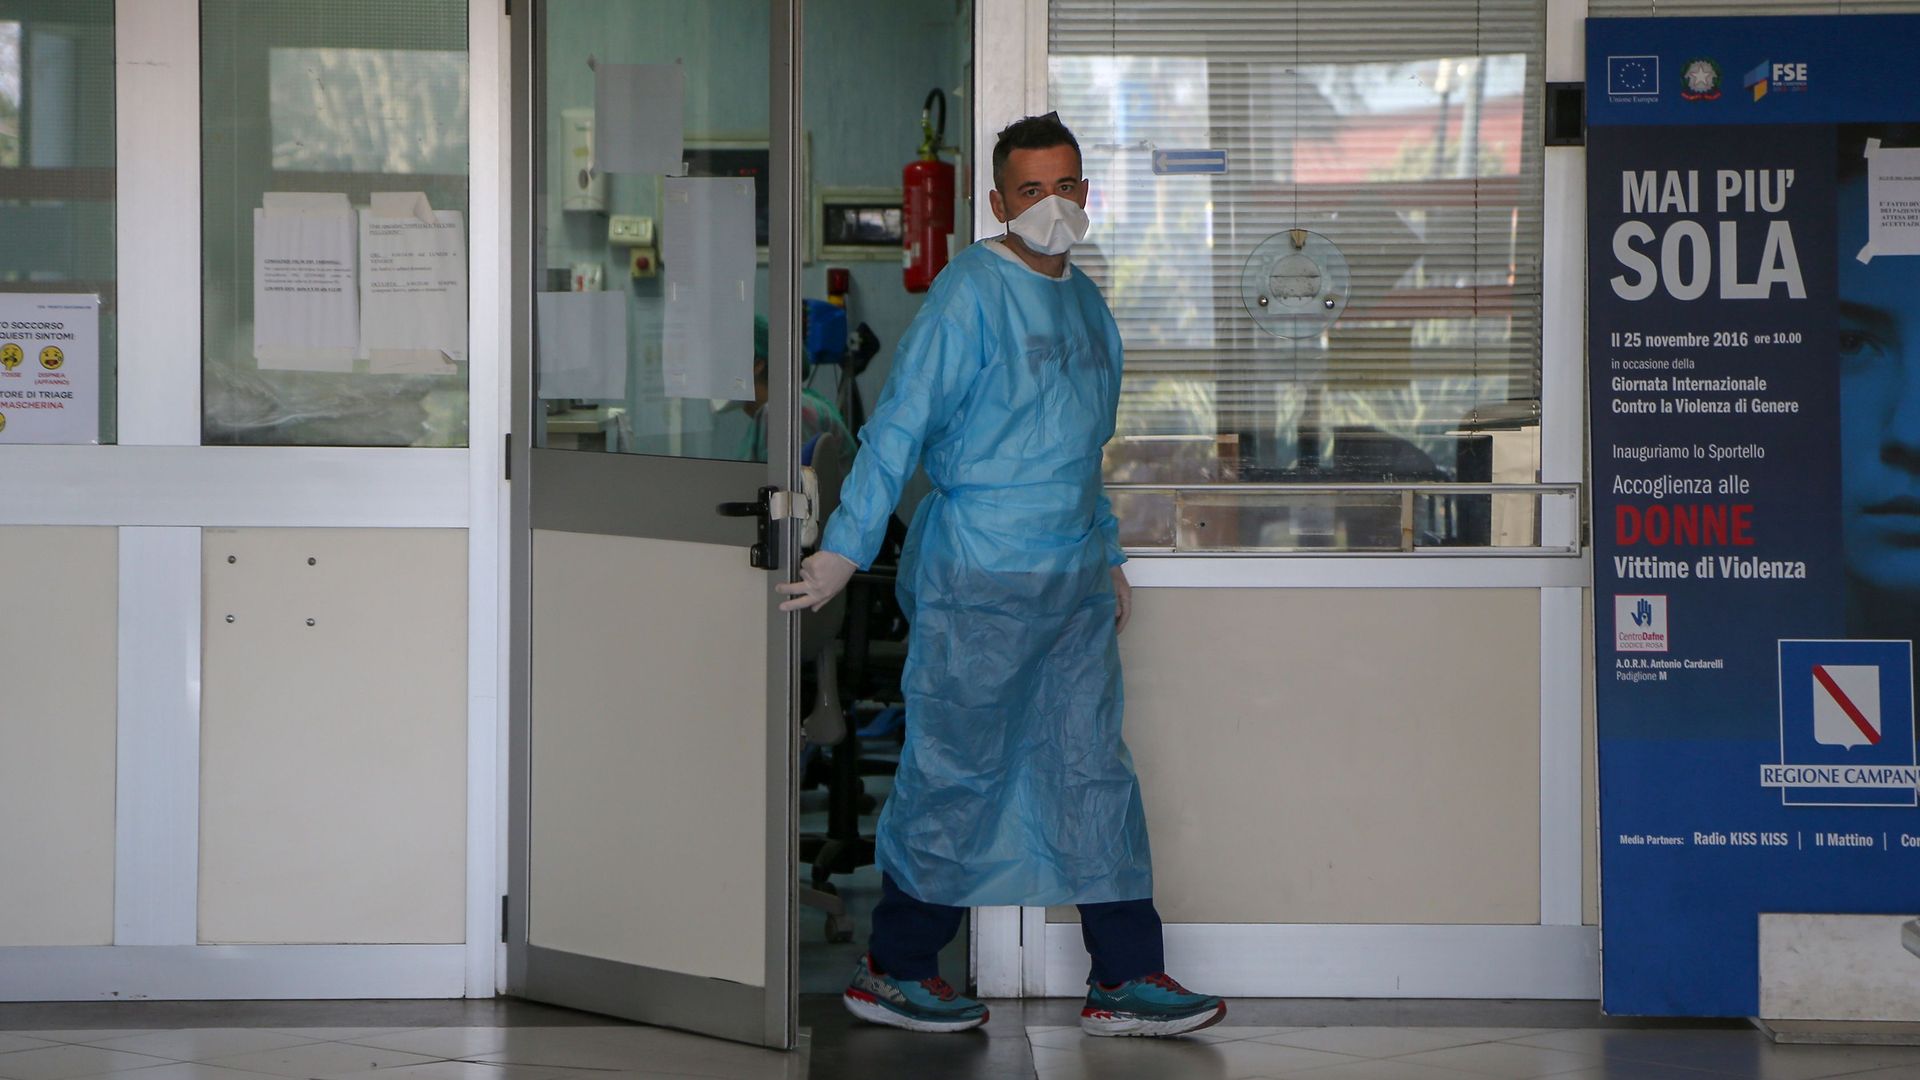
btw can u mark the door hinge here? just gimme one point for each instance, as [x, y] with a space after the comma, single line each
[508, 455]
[504, 908]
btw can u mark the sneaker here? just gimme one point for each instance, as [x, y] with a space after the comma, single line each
[1154, 1005]
[925, 1005]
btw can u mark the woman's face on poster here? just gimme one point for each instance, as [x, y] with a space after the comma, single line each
[1879, 362]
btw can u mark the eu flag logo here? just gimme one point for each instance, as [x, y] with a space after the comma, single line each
[1633, 76]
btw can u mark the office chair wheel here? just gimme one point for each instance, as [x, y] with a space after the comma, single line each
[839, 929]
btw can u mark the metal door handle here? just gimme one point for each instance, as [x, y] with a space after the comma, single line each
[763, 554]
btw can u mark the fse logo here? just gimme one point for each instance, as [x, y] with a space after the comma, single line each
[1846, 725]
[1640, 624]
[1770, 76]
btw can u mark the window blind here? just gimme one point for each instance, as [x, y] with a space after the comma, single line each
[1644, 8]
[1408, 135]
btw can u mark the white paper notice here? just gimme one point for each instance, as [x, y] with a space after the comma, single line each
[305, 306]
[638, 114]
[583, 345]
[413, 286]
[707, 261]
[49, 368]
[1893, 202]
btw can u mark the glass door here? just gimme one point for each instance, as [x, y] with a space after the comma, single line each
[657, 185]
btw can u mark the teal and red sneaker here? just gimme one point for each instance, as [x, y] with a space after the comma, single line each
[1151, 1006]
[916, 1005]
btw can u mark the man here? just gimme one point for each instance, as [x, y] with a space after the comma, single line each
[1879, 363]
[1015, 786]
[819, 416]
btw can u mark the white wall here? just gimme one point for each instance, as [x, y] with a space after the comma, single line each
[58, 689]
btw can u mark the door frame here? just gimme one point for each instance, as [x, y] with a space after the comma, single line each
[159, 487]
[596, 985]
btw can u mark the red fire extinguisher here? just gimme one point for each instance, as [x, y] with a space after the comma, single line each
[927, 210]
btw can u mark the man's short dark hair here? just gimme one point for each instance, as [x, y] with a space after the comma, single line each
[1032, 133]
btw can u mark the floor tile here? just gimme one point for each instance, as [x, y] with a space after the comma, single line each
[1375, 1042]
[1746, 1054]
[11, 1041]
[1504, 1060]
[1897, 1072]
[341, 1034]
[458, 1042]
[1250, 1059]
[204, 1044]
[1240, 1034]
[1385, 1069]
[1057, 1038]
[458, 1070]
[1495, 1034]
[1620, 1069]
[316, 1060]
[575, 1051]
[185, 1070]
[67, 1062]
[84, 1036]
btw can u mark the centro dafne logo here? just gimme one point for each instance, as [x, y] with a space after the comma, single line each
[1701, 77]
[1846, 725]
[1640, 624]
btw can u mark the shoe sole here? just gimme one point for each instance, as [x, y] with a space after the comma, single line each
[1141, 1027]
[875, 1013]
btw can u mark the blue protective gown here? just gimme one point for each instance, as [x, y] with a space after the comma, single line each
[1015, 786]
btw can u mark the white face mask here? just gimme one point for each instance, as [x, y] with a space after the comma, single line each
[1051, 226]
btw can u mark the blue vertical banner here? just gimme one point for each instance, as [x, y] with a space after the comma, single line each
[1753, 192]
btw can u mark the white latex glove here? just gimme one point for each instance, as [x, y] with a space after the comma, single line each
[822, 575]
[1123, 600]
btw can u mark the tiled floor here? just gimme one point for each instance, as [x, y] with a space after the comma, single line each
[581, 1052]
[1457, 1053]
[1272, 1040]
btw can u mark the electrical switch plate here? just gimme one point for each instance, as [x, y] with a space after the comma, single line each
[644, 262]
[630, 230]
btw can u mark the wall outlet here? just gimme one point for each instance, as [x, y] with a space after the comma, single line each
[630, 230]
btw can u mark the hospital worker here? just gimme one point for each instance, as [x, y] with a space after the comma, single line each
[1015, 786]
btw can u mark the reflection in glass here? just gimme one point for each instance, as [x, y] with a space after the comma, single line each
[1404, 154]
[57, 160]
[352, 98]
[687, 263]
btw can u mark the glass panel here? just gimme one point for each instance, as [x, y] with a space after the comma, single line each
[651, 218]
[1335, 519]
[335, 305]
[57, 186]
[1344, 285]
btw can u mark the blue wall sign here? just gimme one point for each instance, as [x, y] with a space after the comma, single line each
[1753, 194]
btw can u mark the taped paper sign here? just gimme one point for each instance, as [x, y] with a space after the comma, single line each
[413, 285]
[638, 114]
[707, 256]
[583, 345]
[305, 306]
[1893, 202]
[49, 368]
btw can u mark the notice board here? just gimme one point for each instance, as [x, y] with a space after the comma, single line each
[1753, 194]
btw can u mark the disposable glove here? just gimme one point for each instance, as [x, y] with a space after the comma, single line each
[822, 575]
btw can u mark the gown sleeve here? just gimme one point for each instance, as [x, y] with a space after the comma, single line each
[1109, 528]
[932, 369]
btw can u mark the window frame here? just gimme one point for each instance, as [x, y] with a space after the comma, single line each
[1012, 81]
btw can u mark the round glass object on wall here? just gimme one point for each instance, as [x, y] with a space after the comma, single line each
[1296, 284]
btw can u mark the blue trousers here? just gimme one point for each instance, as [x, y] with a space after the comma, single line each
[908, 934]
